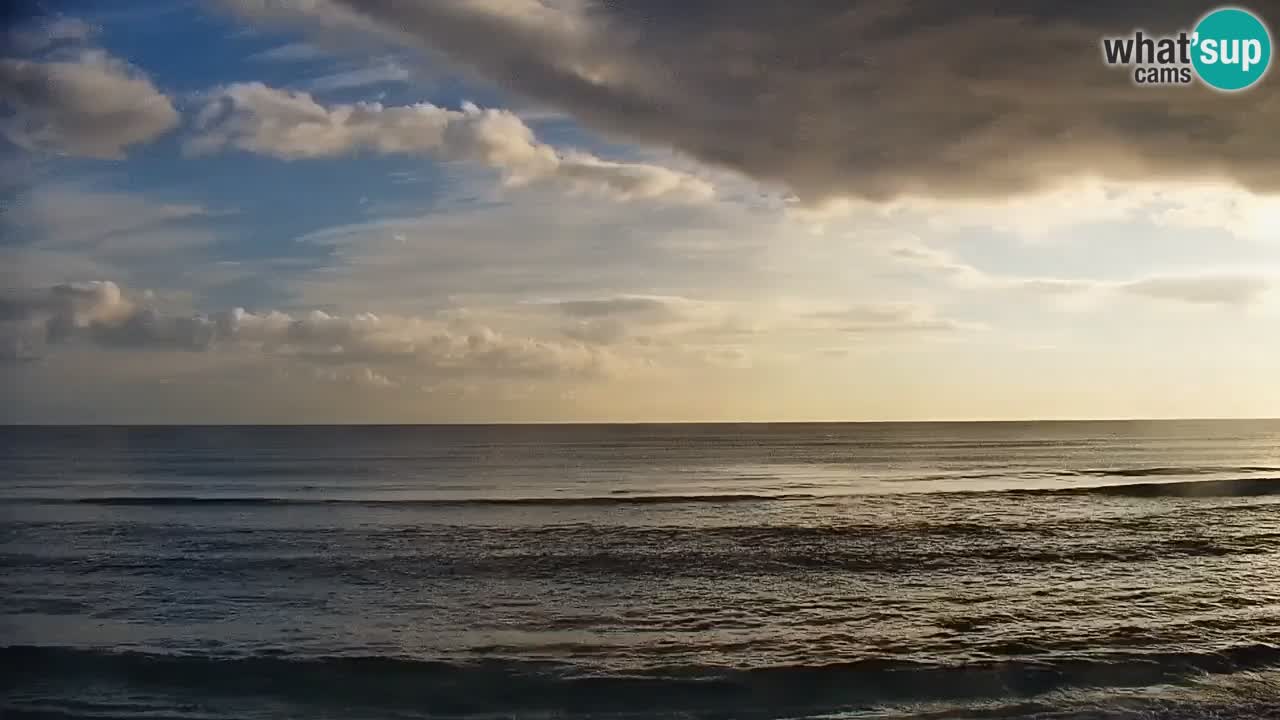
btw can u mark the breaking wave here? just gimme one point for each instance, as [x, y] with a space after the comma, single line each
[490, 687]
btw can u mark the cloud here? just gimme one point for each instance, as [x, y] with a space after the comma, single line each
[875, 99]
[1184, 205]
[1206, 207]
[290, 52]
[1210, 288]
[71, 216]
[935, 260]
[59, 231]
[1229, 289]
[586, 339]
[359, 376]
[888, 317]
[607, 331]
[1035, 216]
[533, 248]
[729, 357]
[629, 305]
[101, 313]
[292, 125]
[940, 262]
[49, 31]
[322, 14]
[33, 267]
[30, 320]
[93, 106]
[385, 72]
[611, 320]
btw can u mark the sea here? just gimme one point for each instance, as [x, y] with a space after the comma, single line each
[896, 570]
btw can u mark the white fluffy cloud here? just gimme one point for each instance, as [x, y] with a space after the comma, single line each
[93, 106]
[292, 125]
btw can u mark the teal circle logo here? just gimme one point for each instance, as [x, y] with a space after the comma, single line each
[1231, 49]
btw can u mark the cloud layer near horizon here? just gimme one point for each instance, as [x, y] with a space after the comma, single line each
[1210, 288]
[99, 312]
[874, 99]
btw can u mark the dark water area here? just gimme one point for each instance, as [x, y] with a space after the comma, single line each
[1054, 570]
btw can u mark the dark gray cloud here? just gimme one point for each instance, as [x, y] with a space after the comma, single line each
[873, 98]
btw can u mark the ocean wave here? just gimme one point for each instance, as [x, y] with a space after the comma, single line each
[603, 566]
[507, 686]
[1236, 487]
[1232, 487]
[180, 500]
[1178, 470]
[1015, 474]
[1241, 696]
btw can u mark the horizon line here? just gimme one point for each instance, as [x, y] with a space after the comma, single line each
[553, 423]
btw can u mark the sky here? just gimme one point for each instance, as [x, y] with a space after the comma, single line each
[338, 211]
